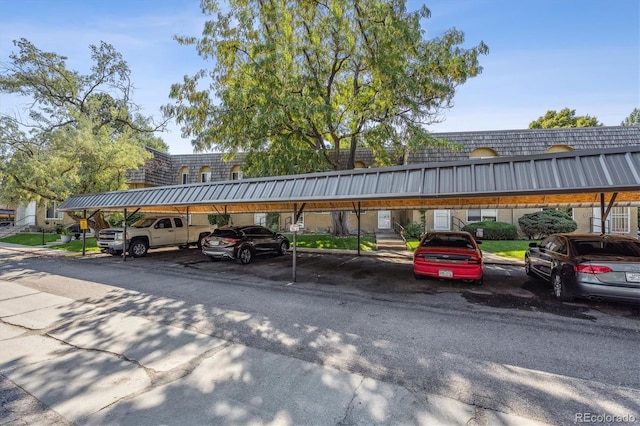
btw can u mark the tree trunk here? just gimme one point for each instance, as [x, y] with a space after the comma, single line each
[340, 223]
[99, 222]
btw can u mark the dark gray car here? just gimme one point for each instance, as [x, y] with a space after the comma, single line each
[243, 243]
[590, 266]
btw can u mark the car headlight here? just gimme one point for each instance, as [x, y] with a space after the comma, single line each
[118, 236]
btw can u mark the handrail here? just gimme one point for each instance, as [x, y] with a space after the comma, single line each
[399, 229]
[23, 221]
[457, 223]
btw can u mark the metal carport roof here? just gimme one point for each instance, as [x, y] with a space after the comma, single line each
[577, 178]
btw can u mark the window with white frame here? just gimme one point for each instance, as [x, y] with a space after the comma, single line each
[236, 172]
[260, 219]
[480, 215]
[52, 212]
[184, 175]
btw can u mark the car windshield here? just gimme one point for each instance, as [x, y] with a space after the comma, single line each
[447, 241]
[607, 247]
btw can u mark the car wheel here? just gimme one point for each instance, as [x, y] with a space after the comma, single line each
[138, 248]
[418, 276]
[284, 247]
[480, 281]
[527, 267]
[560, 288]
[244, 255]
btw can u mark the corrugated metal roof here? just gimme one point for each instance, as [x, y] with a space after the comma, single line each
[572, 178]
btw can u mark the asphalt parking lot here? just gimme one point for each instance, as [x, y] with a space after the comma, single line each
[505, 285]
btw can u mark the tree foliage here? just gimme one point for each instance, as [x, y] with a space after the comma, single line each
[633, 119]
[78, 134]
[299, 85]
[546, 222]
[564, 118]
[304, 80]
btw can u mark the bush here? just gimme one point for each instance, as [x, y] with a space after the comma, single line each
[492, 230]
[414, 230]
[219, 219]
[546, 222]
[273, 221]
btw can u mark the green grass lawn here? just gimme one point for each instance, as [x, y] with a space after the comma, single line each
[30, 239]
[36, 240]
[76, 246]
[326, 241]
[505, 248]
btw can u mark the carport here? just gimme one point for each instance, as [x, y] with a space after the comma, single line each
[603, 177]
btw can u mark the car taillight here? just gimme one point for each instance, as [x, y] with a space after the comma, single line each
[592, 269]
[230, 240]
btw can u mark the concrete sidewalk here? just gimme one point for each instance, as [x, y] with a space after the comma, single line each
[94, 365]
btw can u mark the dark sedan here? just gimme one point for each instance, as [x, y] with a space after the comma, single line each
[590, 266]
[243, 243]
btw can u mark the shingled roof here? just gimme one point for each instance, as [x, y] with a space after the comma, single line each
[163, 169]
[510, 143]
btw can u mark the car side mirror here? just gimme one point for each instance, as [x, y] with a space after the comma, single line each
[478, 242]
[533, 244]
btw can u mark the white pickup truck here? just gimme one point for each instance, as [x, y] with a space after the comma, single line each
[152, 232]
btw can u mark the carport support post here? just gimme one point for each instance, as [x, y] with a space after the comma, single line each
[358, 215]
[295, 242]
[603, 219]
[84, 235]
[124, 237]
[604, 213]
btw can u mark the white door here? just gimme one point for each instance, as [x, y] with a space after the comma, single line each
[596, 225]
[26, 215]
[384, 219]
[442, 220]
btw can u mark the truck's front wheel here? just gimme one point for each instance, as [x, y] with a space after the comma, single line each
[138, 248]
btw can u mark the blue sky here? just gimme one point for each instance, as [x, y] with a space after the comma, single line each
[544, 54]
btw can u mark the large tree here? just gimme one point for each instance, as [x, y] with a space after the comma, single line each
[78, 133]
[299, 85]
[564, 118]
[633, 119]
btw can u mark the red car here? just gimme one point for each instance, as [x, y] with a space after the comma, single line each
[450, 255]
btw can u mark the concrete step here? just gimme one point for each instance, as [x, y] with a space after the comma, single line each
[391, 245]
